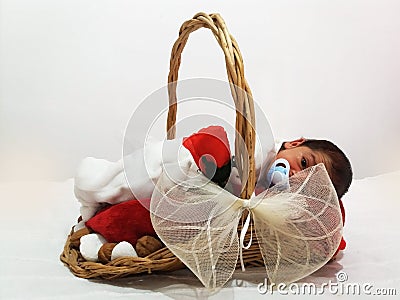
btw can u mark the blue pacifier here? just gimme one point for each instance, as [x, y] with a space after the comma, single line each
[279, 173]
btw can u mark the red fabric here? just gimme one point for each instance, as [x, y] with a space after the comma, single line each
[342, 244]
[212, 142]
[127, 221]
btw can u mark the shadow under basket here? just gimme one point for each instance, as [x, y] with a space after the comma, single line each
[164, 260]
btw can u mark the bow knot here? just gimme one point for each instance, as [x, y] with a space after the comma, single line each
[246, 204]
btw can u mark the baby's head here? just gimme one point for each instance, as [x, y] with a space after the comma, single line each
[303, 153]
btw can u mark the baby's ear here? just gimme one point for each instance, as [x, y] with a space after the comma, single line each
[293, 144]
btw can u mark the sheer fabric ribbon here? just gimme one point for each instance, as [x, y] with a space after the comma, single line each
[297, 229]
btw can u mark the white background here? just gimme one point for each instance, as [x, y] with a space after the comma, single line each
[72, 73]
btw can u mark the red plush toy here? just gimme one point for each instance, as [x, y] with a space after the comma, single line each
[127, 221]
[210, 150]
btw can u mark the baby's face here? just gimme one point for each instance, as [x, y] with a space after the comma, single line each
[300, 158]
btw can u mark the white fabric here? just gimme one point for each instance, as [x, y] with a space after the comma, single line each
[36, 217]
[100, 181]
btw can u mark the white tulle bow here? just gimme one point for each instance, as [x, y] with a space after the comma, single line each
[298, 229]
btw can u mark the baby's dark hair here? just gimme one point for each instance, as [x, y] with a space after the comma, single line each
[339, 168]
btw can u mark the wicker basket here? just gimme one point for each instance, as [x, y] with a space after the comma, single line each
[164, 259]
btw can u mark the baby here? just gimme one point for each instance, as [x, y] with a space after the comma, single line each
[303, 153]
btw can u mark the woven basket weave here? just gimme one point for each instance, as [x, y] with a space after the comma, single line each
[164, 259]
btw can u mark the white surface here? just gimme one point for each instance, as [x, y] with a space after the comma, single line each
[36, 218]
[318, 68]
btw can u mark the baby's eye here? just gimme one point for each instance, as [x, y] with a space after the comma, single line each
[303, 163]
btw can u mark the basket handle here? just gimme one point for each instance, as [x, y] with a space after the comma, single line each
[241, 93]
